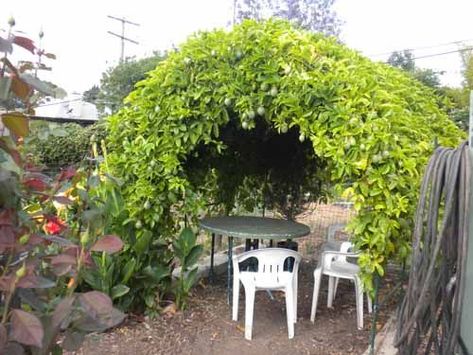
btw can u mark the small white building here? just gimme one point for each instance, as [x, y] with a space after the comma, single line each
[71, 108]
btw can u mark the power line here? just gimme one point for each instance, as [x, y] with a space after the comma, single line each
[419, 48]
[444, 53]
[439, 54]
[59, 102]
[122, 36]
[100, 101]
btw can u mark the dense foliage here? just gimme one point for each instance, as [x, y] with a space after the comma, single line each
[370, 129]
[61, 145]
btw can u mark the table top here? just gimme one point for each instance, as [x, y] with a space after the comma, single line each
[254, 227]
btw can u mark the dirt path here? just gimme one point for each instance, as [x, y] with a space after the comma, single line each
[206, 326]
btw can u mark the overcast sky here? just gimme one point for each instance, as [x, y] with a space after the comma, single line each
[76, 31]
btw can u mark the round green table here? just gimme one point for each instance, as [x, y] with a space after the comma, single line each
[248, 228]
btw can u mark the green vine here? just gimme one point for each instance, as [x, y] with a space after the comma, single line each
[365, 128]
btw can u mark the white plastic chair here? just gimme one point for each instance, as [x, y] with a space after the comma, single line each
[270, 275]
[335, 265]
[332, 243]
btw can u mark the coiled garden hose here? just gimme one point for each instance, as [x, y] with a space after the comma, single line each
[429, 316]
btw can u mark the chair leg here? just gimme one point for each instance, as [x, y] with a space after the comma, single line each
[290, 312]
[236, 296]
[359, 302]
[331, 288]
[249, 307]
[295, 297]
[335, 287]
[315, 295]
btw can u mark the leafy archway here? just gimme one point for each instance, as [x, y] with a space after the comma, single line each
[370, 127]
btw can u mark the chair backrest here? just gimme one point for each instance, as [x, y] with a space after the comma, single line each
[336, 233]
[270, 260]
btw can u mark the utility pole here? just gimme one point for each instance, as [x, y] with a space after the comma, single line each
[122, 36]
[234, 12]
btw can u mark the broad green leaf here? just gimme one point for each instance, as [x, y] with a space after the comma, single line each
[128, 270]
[157, 273]
[16, 122]
[119, 291]
[193, 256]
[190, 279]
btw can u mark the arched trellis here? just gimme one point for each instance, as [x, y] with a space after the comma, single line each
[368, 125]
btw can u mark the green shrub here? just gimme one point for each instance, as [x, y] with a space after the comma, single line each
[368, 129]
[60, 145]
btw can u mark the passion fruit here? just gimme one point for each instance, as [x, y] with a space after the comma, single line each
[187, 60]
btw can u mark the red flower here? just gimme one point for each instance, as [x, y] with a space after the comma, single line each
[54, 225]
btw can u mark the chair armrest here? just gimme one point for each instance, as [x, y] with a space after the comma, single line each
[341, 253]
[329, 256]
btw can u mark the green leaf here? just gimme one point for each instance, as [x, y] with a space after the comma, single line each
[119, 291]
[143, 242]
[16, 122]
[93, 279]
[193, 256]
[190, 279]
[128, 270]
[150, 300]
[157, 273]
[186, 240]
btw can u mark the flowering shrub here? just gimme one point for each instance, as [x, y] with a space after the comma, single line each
[42, 257]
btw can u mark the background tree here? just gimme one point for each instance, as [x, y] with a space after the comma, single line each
[117, 82]
[405, 61]
[312, 15]
[460, 97]
[91, 95]
[455, 100]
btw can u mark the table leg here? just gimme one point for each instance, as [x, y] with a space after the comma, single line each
[229, 269]
[247, 244]
[212, 251]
